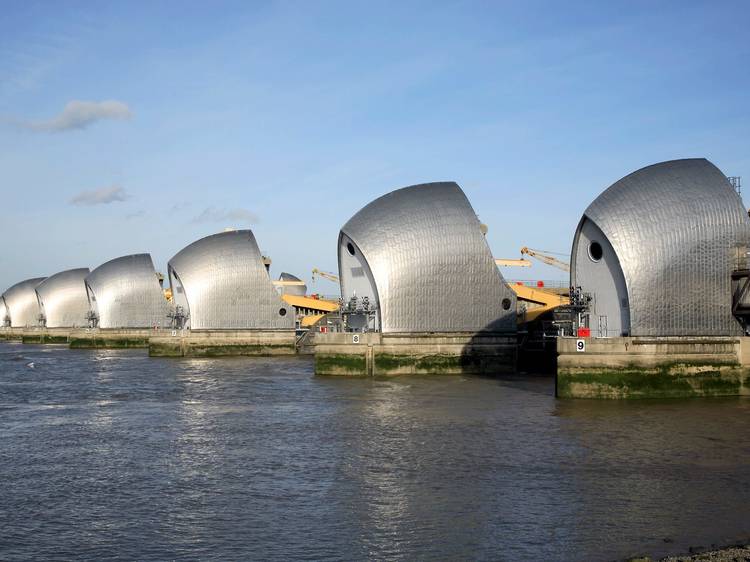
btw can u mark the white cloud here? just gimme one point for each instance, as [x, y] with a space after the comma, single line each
[101, 196]
[81, 114]
[212, 214]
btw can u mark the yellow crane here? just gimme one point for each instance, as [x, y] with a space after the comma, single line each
[324, 275]
[544, 258]
[512, 263]
[544, 300]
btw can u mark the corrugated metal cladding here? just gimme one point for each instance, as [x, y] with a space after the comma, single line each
[678, 229]
[226, 285]
[427, 262]
[22, 303]
[63, 299]
[298, 290]
[125, 293]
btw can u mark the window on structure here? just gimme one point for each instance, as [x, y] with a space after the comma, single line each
[506, 304]
[282, 312]
[595, 251]
[350, 248]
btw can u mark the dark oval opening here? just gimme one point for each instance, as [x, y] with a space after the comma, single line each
[506, 304]
[282, 312]
[350, 248]
[595, 251]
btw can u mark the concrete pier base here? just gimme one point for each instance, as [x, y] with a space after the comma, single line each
[222, 343]
[11, 334]
[46, 335]
[400, 354]
[94, 338]
[651, 367]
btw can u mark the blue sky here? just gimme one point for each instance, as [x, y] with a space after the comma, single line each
[287, 117]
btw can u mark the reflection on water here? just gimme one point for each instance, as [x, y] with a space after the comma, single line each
[112, 454]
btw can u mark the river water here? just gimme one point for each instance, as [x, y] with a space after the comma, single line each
[110, 454]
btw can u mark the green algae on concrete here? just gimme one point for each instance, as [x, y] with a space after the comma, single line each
[227, 350]
[377, 354]
[340, 364]
[44, 338]
[666, 380]
[264, 350]
[12, 336]
[185, 347]
[223, 343]
[108, 343]
[442, 364]
[386, 363]
[398, 364]
[164, 349]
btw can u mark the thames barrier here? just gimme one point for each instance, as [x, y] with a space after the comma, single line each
[657, 304]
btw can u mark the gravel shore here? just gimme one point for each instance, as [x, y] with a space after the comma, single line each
[730, 554]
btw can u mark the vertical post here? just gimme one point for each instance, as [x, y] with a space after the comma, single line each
[369, 361]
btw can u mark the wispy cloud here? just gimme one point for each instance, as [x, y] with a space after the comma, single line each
[212, 214]
[79, 115]
[135, 215]
[101, 196]
[179, 207]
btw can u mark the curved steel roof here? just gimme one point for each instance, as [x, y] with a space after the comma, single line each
[63, 299]
[678, 229]
[3, 312]
[226, 285]
[430, 262]
[297, 290]
[125, 293]
[22, 303]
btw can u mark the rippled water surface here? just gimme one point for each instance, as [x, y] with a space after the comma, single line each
[110, 454]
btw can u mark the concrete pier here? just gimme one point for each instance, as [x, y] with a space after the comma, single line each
[653, 367]
[218, 343]
[94, 338]
[11, 334]
[426, 353]
[46, 335]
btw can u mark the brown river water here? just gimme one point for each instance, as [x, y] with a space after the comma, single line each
[110, 454]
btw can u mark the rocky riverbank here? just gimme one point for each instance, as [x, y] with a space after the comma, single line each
[728, 554]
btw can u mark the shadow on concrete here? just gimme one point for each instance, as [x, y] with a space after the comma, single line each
[531, 350]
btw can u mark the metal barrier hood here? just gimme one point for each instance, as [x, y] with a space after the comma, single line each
[63, 300]
[222, 283]
[419, 255]
[22, 303]
[298, 290]
[125, 293]
[657, 250]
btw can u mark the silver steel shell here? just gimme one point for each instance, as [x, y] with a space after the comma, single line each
[222, 282]
[676, 230]
[3, 312]
[298, 290]
[22, 303]
[125, 293]
[63, 299]
[419, 254]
